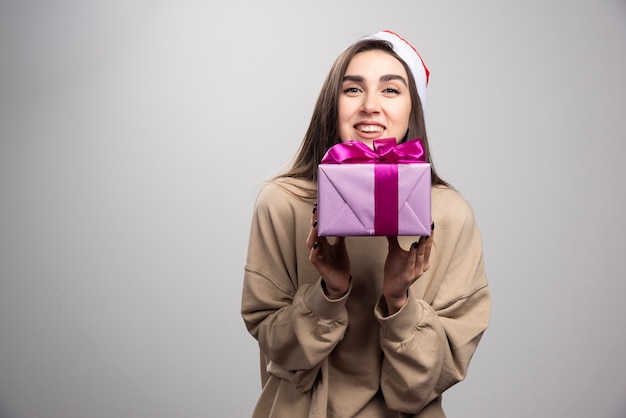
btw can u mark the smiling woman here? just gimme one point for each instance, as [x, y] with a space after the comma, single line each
[375, 101]
[365, 326]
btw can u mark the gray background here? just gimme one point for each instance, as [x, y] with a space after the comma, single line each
[135, 135]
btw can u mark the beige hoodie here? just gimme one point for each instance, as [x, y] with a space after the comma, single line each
[346, 357]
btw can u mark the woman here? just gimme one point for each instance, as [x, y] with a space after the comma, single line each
[362, 326]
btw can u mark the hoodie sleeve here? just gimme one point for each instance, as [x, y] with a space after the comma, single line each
[283, 304]
[429, 343]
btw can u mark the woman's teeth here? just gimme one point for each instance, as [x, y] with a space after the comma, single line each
[370, 128]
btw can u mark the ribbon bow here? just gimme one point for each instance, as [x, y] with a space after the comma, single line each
[386, 151]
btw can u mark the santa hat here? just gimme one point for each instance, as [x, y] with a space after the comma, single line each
[411, 57]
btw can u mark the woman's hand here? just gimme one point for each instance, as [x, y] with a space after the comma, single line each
[403, 268]
[330, 260]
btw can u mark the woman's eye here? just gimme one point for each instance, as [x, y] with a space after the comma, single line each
[351, 90]
[392, 90]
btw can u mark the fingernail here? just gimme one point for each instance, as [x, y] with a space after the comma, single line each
[314, 207]
[414, 244]
[432, 226]
[315, 223]
[315, 245]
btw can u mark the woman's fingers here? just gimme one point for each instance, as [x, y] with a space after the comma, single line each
[417, 262]
[312, 237]
[427, 249]
[318, 246]
[420, 257]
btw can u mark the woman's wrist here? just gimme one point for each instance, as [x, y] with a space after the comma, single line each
[333, 292]
[394, 304]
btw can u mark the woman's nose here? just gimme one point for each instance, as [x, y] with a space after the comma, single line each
[370, 103]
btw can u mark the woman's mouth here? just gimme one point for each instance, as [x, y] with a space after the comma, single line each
[369, 129]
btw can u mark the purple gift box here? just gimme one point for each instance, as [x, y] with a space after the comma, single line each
[384, 191]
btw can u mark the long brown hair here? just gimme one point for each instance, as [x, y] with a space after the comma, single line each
[322, 132]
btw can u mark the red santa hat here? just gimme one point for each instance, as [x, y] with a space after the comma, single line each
[411, 57]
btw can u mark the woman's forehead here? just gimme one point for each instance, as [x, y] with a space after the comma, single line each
[375, 62]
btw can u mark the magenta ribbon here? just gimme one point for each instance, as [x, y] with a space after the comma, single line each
[386, 156]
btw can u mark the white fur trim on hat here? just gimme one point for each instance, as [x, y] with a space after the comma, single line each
[411, 57]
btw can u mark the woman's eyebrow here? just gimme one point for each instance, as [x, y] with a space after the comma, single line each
[390, 77]
[354, 78]
[386, 77]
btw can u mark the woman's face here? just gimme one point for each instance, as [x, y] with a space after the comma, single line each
[375, 102]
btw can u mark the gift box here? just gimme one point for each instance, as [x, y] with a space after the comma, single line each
[382, 191]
